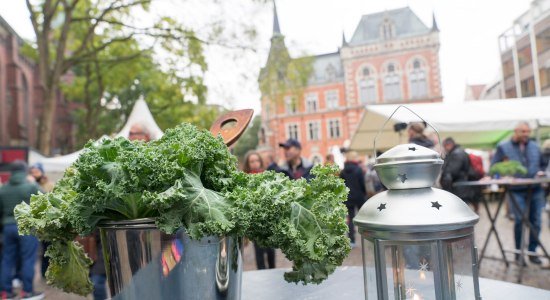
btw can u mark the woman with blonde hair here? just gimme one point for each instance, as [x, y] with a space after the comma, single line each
[253, 164]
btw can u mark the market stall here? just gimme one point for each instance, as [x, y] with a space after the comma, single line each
[474, 124]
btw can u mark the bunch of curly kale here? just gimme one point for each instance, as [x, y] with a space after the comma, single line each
[187, 179]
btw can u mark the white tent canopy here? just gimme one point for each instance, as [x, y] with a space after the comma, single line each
[140, 115]
[478, 124]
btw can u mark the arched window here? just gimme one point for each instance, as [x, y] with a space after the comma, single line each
[367, 87]
[392, 83]
[417, 78]
[387, 29]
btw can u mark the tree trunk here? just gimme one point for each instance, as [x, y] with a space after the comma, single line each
[45, 130]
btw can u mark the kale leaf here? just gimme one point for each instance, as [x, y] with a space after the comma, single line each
[188, 179]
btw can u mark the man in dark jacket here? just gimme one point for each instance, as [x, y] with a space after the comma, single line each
[355, 181]
[456, 168]
[522, 149]
[417, 136]
[16, 247]
[295, 165]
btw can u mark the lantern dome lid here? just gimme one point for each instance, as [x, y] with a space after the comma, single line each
[408, 166]
[415, 210]
[407, 153]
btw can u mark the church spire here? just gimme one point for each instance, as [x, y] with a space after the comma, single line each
[434, 23]
[276, 28]
[344, 42]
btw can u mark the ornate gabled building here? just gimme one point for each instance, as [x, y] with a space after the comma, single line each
[391, 58]
[21, 98]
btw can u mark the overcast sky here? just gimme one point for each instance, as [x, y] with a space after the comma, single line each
[469, 31]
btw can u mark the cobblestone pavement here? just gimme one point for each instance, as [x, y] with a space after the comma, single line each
[533, 275]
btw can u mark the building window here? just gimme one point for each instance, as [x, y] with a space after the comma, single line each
[511, 93]
[291, 106]
[524, 56]
[543, 41]
[544, 74]
[508, 68]
[292, 131]
[331, 72]
[417, 77]
[392, 84]
[367, 87]
[313, 131]
[312, 102]
[332, 99]
[528, 87]
[334, 131]
[387, 30]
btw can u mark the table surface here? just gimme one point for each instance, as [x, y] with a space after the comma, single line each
[504, 181]
[347, 283]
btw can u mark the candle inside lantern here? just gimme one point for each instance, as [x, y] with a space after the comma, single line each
[417, 297]
[422, 275]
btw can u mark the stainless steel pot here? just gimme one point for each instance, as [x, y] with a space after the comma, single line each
[144, 263]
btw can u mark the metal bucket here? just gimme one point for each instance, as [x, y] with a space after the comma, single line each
[144, 263]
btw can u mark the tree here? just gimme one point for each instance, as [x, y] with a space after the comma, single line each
[80, 33]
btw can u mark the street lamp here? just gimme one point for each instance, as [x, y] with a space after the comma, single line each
[417, 241]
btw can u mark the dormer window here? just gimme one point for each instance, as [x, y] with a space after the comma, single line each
[387, 30]
[331, 72]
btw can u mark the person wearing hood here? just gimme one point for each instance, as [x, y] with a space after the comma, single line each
[355, 181]
[38, 173]
[417, 136]
[15, 246]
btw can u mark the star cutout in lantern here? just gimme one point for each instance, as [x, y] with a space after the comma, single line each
[402, 177]
[436, 205]
[423, 266]
[410, 290]
[381, 206]
[459, 284]
[412, 149]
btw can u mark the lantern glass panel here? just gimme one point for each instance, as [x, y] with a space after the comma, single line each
[410, 271]
[463, 268]
[369, 269]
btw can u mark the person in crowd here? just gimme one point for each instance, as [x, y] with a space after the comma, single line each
[329, 160]
[417, 136]
[17, 247]
[355, 181]
[456, 168]
[372, 182]
[37, 172]
[253, 164]
[295, 166]
[38, 175]
[545, 163]
[138, 132]
[522, 149]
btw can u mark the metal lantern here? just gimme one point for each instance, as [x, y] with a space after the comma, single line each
[417, 241]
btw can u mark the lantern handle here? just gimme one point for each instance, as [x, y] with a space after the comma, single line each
[410, 110]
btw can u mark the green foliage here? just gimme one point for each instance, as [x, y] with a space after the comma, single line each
[249, 140]
[508, 168]
[305, 220]
[188, 179]
[68, 268]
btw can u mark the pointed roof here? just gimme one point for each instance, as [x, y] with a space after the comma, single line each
[404, 20]
[344, 42]
[276, 28]
[141, 115]
[434, 23]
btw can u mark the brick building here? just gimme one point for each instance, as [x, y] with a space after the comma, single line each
[391, 58]
[21, 98]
